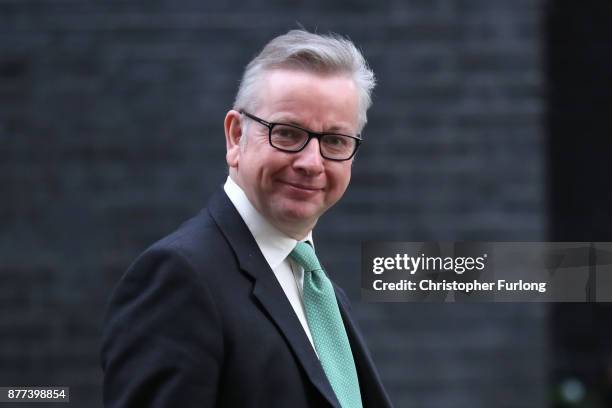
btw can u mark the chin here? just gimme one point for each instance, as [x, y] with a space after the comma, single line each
[299, 213]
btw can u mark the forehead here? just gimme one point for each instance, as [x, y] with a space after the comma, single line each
[315, 99]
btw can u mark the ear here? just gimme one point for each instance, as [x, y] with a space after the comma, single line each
[233, 133]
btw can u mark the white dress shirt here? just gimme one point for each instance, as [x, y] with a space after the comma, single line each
[275, 247]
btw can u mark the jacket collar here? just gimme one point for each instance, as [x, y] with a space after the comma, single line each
[267, 290]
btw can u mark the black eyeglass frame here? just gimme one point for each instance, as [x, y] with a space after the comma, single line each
[316, 135]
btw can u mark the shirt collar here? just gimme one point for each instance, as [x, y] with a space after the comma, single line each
[274, 244]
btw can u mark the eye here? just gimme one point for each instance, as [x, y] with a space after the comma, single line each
[286, 132]
[288, 137]
[336, 141]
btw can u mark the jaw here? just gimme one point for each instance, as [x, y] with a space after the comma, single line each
[293, 217]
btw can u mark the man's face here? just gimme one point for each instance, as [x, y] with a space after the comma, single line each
[293, 189]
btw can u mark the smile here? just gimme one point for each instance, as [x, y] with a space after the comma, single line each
[303, 186]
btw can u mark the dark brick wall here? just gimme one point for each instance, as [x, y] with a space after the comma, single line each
[111, 134]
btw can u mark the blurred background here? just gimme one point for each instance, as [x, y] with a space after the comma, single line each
[491, 121]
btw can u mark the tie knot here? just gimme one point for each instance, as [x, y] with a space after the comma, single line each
[305, 255]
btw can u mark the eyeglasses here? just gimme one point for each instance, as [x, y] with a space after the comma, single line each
[293, 139]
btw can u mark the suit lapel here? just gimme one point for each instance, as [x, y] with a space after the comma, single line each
[268, 291]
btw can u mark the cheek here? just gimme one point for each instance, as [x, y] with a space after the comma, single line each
[258, 162]
[274, 165]
[346, 172]
[264, 174]
[340, 179]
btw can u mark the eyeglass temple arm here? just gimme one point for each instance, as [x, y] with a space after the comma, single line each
[256, 119]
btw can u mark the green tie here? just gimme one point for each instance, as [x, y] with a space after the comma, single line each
[328, 332]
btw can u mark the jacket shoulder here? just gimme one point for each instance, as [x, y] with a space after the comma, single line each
[198, 241]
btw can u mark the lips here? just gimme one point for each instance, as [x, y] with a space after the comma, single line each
[305, 187]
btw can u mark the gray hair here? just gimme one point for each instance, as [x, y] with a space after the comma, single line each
[304, 51]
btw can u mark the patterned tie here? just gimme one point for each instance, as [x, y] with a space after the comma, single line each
[328, 332]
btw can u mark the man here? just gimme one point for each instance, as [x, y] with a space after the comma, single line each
[233, 309]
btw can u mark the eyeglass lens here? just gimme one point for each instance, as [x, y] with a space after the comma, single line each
[293, 139]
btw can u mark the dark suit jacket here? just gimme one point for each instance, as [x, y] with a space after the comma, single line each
[199, 320]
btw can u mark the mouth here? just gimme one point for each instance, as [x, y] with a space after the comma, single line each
[303, 187]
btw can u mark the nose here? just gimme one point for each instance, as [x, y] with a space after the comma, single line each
[309, 160]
